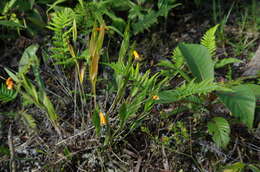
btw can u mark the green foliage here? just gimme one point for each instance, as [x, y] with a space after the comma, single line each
[28, 90]
[22, 14]
[226, 61]
[186, 90]
[209, 41]
[219, 128]
[241, 167]
[143, 18]
[241, 102]
[7, 95]
[199, 61]
[96, 121]
[62, 25]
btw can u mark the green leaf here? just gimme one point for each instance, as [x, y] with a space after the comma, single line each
[253, 168]
[241, 102]
[226, 61]
[199, 61]
[219, 128]
[29, 58]
[123, 114]
[256, 91]
[7, 95]
[10, 24]
[208, 40]
[96, 121]
[186, 90]
[12, 75]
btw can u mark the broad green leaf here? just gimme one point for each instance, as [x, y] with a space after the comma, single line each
[199, 60]
[256, 91]
[29, 58]
[241, 102]
[226, 61]
[219, 128]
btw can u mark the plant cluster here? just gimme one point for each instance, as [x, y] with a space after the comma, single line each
[113, 98]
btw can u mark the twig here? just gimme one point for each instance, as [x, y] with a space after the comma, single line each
[138, 165]
[11, 148]
[165, 159]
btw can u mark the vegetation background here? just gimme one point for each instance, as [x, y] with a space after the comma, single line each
[133, 85]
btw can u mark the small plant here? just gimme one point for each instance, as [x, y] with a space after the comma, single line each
[28, 90]
[239, 99]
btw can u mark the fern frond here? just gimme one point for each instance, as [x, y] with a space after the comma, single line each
[209, 41]
[147, 21]
[177, 57]
[186, 90]
[61, 24]
[6, 95]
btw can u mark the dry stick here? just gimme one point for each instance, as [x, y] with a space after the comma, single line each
[11, 148]
[165, 159]
[138, 165]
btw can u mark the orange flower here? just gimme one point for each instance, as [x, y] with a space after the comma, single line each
[155, 97]
[103, 120]
[136, 55]
[9, 83]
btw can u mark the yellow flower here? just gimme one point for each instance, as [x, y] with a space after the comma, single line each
[155, 97]
[9, 83]
[136, 55]
[103, 120]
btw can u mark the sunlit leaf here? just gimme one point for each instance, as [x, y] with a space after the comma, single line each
[241, 102]
[199, 61]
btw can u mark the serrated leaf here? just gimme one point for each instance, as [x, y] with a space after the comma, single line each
[219, 128]
[199, 60]
[184, 91]
[241, 102]
[208, 40]
[7, 95]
